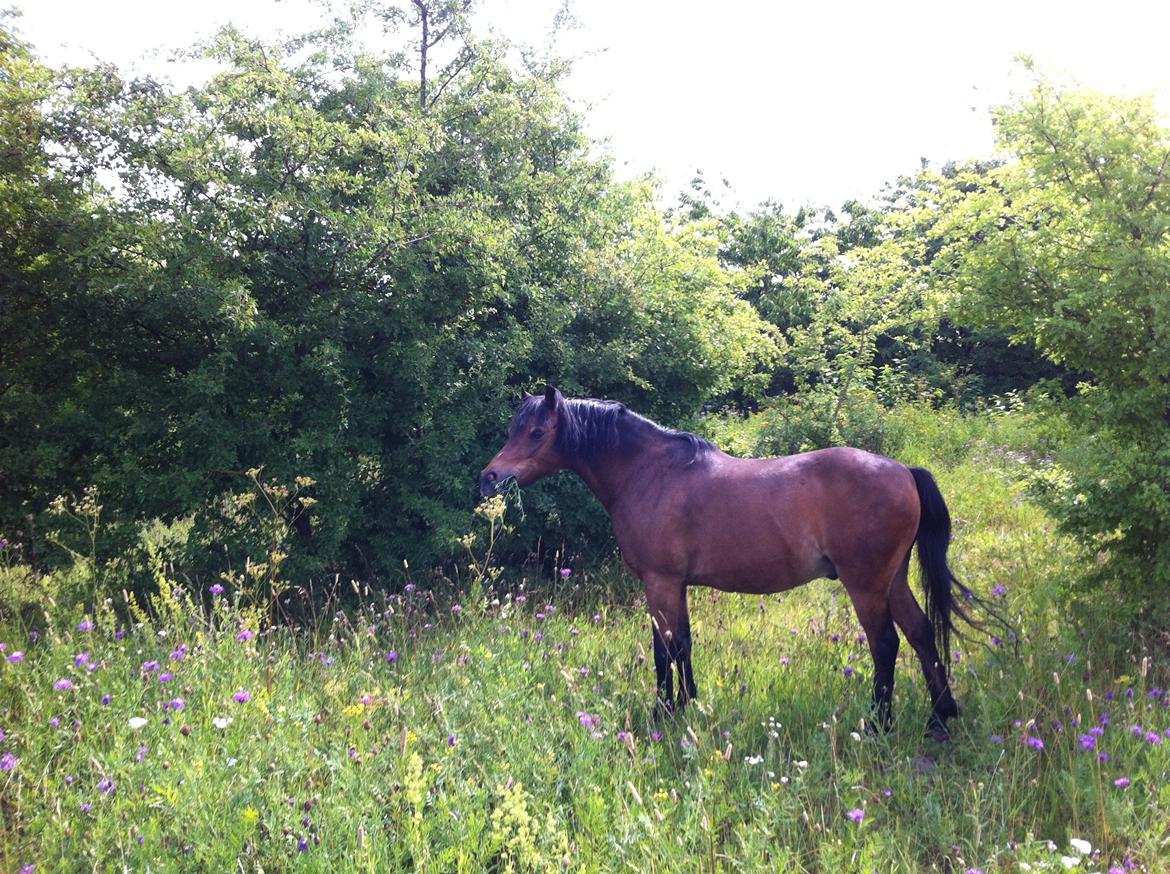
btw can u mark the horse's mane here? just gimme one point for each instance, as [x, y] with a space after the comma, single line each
[590, 428]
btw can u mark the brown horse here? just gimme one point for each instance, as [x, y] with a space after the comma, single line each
[687, 514]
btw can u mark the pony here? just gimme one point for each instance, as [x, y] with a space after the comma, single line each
[687, 514]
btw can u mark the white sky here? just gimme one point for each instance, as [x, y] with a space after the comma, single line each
[811, 102]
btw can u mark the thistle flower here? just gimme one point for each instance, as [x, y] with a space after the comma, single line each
[8, 762]
[63, 685]
[216, 589]
[16, 657]
[855, 815]
[242, 696]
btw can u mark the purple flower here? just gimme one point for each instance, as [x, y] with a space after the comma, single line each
[855, 815]
[521, 599]
[165, 677]
[150, 666]
[55, 722]
[1087, 741]
[1035, 742]
[215, 589]
[302, 845]
[242, 696]
[566, 572]
[997, 738]
[245, 635]
[1121, 782]
[179, 654]
[86, 807]
[16, 657]
[29, 868]
[848, 672]
[178, 703]
[452, 740]
[7, 762]
[457, 609]
[1153, 737]
[409, 587]
[141, 754]
[81, 659]
[63, 685]
[392, 656]
[107, 786]
[119, 634]
[85, 625]
[106, 699]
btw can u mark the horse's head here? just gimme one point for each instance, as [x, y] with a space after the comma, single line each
[531, 451]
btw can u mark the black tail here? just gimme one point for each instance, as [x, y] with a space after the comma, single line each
[934, 537]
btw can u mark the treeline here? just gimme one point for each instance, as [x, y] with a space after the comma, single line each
[281, 319]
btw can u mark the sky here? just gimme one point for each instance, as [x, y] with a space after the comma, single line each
[808, 103]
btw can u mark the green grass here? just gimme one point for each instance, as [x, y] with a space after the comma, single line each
[499, 740]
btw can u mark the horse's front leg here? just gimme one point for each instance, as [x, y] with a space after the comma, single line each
[666, 599]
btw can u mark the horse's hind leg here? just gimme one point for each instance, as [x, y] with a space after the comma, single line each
[920, 633]
[871, 601]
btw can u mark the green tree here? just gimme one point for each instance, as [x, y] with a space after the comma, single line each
[1067, 247]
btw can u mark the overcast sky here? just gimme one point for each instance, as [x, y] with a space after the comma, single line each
[810, 102]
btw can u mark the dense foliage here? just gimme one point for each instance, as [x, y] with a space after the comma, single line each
[275, 323]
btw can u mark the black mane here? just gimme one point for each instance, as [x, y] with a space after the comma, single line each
[590, 428]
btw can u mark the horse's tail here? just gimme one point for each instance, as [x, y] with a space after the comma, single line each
[940, 584]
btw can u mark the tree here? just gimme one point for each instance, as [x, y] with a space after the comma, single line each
[1067, 248]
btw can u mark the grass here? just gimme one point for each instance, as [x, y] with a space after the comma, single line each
[515, 733]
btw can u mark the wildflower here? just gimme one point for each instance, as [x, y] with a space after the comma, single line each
[242, 696]
[1035, 743]
[1081, 846]
[141, 754]
[997, 738]
[55, 722]
[521, 599]
[1153, 737]
[136, 722]
[150, 666]
[16, 657]
[302, 845]
[221, 722]
[106, 699]
[452, 740]
[855, 815]
[63, 685]
[29, 868]
[81, 659]
[216, 589]
[7, 762]
[1087, 741]
[107, 786]
[783, 660]
[178, 703]
[119, 634]
[409, 587]
[245, 635]
[1121, 782]
[392, 656]
[457, 609]
[85, 624]
[179, 654]
[566, 572]
[848, 672]
[165, 677]
[86, 807]
[753, 760]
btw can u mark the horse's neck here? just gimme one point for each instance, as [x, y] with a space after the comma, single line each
[612, 475]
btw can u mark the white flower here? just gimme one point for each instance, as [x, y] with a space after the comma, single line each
[1081, 846]
[802, 764]
[221, 721]
[855, 735]
[1070, 862]
[136, 722]
[753, 760]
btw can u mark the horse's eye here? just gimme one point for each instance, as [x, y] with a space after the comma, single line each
[536, 434]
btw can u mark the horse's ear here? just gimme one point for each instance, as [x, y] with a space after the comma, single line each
[552, 397]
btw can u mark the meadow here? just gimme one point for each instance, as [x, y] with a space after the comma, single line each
[506, 724]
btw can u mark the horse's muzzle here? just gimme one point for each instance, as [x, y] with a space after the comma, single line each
[488, 482]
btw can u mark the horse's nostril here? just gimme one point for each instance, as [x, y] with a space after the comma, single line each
[490, 476]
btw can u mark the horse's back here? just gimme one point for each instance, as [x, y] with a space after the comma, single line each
[773, 523]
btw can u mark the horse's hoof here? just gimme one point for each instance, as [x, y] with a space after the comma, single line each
[937, 730]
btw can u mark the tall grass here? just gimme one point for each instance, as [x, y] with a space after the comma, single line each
[512, 730]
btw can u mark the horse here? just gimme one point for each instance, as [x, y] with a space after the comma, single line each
[686, 513]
